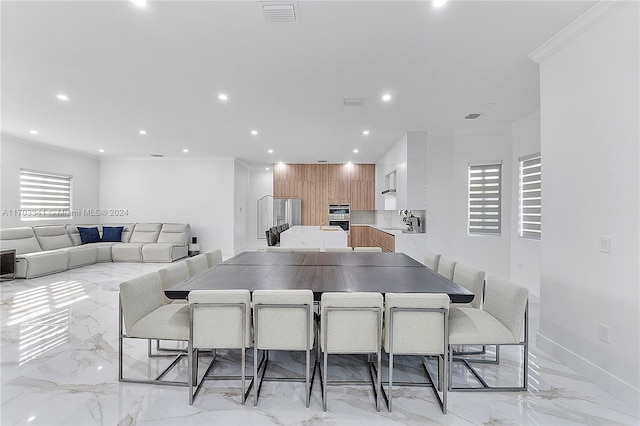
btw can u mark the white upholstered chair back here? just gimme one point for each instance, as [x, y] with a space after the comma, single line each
[357, 331]
[506, 302]
[173, 274]
[278, 249]
[281, 328]
[415, 332]
[431, 260]
[368, 249]
[139, 297]
[473, 280]
[214, 257]
[446, 267]
[197, 264]
[216, 326]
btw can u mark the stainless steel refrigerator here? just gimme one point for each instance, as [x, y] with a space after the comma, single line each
[287, 210]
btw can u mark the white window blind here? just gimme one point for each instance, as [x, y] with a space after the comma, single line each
[530, 212]
[485, 188]
[44, 195]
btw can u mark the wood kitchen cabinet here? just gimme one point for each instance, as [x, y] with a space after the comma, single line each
[359, 236]
[319, 185]
[382, 239]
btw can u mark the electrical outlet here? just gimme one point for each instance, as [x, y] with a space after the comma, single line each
[605, 244]
[604, 333]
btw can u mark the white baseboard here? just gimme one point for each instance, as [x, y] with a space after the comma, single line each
[612, 384]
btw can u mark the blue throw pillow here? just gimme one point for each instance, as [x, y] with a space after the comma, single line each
[89, 235]
[112, 233]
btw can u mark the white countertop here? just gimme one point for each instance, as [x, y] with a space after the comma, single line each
[393, 231]
[313, 236]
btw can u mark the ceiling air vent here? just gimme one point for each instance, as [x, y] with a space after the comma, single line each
[322, 161]
[280, 11]
[472, 116]
[354, 102]
[157, 155]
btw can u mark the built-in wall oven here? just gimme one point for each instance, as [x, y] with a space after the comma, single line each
[339, 215]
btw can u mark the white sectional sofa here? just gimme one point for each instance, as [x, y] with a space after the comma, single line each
[42, 250]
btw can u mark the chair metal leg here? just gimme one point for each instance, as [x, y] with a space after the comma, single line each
[308, 382]
[378, 381]
[324, 383]
[389, 392]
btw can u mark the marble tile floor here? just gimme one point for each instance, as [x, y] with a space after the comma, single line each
[59, 354]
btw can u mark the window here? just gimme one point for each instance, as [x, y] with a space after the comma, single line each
[530, 212]
[485, 198]
[44, 195]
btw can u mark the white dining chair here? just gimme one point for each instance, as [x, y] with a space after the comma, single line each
[282, 321]
[278, 249]
[417, 324]
[173, 274]
[503, 321]
[143, 314]
[446, 267]
[351, 323]
[197, 264]
[473, 280]
[214, 257]
[368, 249]
[431, 260]
[219, 319]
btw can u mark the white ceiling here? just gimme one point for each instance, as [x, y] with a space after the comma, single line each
[161, 68]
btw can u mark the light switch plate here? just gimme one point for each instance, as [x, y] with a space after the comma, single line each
[605, 244]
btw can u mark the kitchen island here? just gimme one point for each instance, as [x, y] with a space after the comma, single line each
[314, 236]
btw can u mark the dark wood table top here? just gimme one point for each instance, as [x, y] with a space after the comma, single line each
[323, 272]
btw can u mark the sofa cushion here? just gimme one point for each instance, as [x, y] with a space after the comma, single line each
[36, 264]
[163, 252]
[52, 237]
[145, 233]
[23, 240]
[89, 235]
[127, 252]
[175, 233]
[72, 230]
[112, 234]
[82, 255]
[127, 230]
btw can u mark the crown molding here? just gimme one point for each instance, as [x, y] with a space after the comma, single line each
[575, 29]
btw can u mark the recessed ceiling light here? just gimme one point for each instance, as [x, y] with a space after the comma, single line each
[62, 97]
[280, 162]
[143, 132]
[185, 150]
[266, 168]
[254, 132]
[386, 97]
[439, 3]
[223, 96]
[349, 163]
[33, 132]
[101, 150]
[140, 3]
[365, 132]
[270, 151]
[355, 151]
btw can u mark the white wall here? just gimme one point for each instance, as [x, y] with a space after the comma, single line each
[195, 191]
[590, 146]
[18, 153]
[439, 223]
[489, 253]
[240, 187]
[525, 253]
[260, 184]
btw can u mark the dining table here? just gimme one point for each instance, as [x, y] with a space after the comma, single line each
[322, 272]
